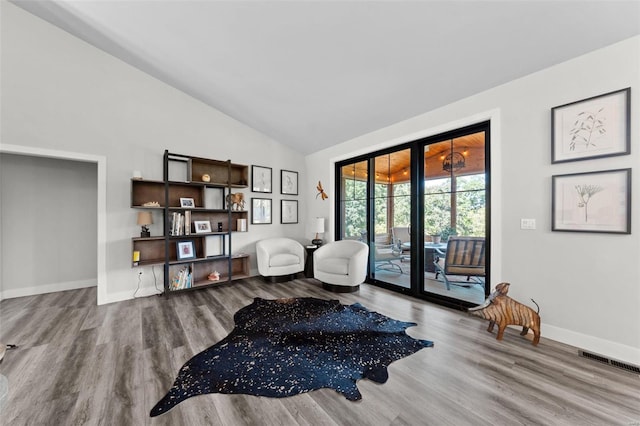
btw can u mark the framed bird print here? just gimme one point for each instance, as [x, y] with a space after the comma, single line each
[260, 179]
[288, 182]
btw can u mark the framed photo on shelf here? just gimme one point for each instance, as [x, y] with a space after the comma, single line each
[592, 202]
[260, 211]
[202, 226]
[185, 250]
[595, 127]
[288, 182]
[288, 211]
[261, 179]
[187, 203]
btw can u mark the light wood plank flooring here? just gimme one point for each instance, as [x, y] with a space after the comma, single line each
[82, 364]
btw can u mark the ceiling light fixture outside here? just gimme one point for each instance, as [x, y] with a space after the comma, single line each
[453, 161]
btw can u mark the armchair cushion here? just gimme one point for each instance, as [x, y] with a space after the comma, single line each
[283, 259]
[334, 265]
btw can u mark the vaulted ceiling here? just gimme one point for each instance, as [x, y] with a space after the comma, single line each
[311, 74]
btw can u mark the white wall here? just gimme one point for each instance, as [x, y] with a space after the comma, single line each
[587, 285]
[49, 225]
[60, 93]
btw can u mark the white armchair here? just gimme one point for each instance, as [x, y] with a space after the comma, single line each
[279, 259]
[341, 265]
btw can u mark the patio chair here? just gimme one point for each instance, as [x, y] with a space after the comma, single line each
[400, 234]
[384, 255]
[465, 256]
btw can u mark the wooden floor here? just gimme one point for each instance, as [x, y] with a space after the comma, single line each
[82, 364]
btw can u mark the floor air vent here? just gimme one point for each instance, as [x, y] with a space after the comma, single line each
[613, 362]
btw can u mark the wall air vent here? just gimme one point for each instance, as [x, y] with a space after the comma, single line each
[613, 362]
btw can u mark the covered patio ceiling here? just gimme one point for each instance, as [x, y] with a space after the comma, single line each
[395, 167]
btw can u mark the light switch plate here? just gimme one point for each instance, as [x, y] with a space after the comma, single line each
[527, 224]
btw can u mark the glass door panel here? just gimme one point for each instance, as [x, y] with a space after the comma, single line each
[454, 204]
[391, 242]
[353, 201]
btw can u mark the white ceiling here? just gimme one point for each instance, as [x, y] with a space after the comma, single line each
[311, 74]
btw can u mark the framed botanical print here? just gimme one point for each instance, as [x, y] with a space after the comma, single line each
[596, 127]
[592, 202]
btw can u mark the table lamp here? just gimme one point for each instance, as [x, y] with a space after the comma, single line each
[145, 219]
[318, 228]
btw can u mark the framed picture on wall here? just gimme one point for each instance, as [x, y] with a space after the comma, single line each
[260, 179]
[288, 182]
[288, 211]
[260, 211]
[592, 202]
[596, 127]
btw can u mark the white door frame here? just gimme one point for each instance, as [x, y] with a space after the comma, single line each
[101, 163]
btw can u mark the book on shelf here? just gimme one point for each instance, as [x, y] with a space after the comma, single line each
[187, 222]
[181, 280]
[178, 224]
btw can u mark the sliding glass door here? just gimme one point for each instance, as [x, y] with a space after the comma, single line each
[454, 205]
[406, 202]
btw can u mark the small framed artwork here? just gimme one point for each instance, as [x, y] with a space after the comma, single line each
[202, 226]
[592, 202]
[596, 127]
[260, 179]
[288, 211]
[187, 203]
[185, 250]
[260, 211]
[288, 182]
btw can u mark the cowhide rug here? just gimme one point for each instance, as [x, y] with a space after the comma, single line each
[284, 347]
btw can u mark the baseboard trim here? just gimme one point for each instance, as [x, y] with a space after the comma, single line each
[47, 288]
[604, 347]
[128, 295]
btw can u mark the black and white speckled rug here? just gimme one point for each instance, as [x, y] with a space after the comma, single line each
[284, 347]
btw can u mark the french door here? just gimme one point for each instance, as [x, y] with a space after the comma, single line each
[405, 202]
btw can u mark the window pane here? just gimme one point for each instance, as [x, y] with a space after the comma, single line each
[354, 181]
[355, 218]
[402, 204]
[437, 213]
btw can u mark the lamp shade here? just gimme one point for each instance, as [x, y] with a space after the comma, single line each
[318, 225]
[145, 218]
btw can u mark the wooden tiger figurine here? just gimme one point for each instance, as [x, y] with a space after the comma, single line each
[503, 310]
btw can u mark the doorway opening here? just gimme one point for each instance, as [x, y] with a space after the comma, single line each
[99, 228]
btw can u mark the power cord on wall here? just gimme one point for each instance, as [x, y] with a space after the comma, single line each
[155, 283]
[138, 287]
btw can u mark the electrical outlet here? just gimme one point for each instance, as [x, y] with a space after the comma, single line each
[527, 224]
